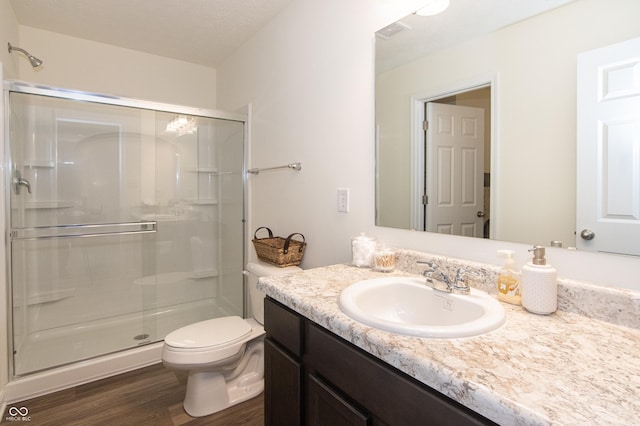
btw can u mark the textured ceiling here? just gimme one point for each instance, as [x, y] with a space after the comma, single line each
[207, 31]
[198, 31]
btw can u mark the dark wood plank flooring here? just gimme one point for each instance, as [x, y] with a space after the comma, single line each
[150, 396]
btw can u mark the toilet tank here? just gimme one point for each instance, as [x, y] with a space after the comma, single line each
[255, 270]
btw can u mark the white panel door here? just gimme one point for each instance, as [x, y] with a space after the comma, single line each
[455, 171]
[608, 149]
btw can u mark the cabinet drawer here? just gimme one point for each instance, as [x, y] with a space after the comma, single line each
[284, 326]
[388, 394]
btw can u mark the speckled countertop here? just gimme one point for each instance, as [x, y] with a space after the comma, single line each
[561, 369]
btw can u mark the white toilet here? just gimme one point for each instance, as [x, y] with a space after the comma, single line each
[224, 356]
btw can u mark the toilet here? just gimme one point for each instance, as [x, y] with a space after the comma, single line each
[224, 356]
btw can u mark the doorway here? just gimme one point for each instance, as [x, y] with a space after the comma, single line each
[452, 181]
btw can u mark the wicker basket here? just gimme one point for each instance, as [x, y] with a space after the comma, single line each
[279, 251]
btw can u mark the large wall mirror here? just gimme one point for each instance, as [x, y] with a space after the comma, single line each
[521, 73]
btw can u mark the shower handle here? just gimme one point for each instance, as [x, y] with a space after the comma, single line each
[18, 181]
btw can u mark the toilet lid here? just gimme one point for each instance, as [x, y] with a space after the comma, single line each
[214, 332]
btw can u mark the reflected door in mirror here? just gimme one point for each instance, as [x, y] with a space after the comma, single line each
[454, 172]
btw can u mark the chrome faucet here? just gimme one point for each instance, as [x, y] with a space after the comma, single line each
[438, 280]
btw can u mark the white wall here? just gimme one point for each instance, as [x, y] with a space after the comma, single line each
[8, 34]
[309, 78]
[74, 63]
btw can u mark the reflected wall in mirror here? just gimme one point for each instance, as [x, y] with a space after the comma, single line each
[530, 67]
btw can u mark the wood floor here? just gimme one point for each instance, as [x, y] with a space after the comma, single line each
[151, 396]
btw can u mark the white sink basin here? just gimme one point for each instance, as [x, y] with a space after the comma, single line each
[406, 305]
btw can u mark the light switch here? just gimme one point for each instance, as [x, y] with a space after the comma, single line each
[343, 200]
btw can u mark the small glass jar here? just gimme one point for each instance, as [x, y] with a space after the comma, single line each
[362, 250]
[384, 260]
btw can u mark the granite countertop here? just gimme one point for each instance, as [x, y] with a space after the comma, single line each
[563, 369]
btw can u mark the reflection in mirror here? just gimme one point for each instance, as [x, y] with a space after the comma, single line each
[452, 151]
[530, 118]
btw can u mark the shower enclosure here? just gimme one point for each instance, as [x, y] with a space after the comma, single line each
[126, 221]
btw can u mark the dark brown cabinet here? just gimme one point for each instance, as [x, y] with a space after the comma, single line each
[283, 371]
[326, 407]
[283, 396]
[314, 377]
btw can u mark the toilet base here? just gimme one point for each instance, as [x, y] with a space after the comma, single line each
[209, 395]
[209, 392]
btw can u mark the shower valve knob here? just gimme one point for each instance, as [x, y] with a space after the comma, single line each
[18, 182]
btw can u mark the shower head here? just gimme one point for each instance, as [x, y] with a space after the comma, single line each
[35, 62]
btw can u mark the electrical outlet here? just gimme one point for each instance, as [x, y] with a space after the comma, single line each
[343, 200]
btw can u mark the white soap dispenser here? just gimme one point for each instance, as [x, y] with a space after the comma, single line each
[539, 284]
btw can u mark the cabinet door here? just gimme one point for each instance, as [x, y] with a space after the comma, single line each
[327, 407]
[283, 387]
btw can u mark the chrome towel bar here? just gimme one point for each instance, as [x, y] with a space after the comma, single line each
[294, 166]
[83, 230]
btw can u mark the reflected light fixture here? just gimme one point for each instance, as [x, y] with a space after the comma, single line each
[182, 125]
[433, 7]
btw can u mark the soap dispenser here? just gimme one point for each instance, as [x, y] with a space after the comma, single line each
[539, 284]
[508, 283]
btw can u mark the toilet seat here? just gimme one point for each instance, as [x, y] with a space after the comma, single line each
[211, 333]
[213, 342]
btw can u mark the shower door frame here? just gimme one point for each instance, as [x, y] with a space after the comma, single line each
[6, 359]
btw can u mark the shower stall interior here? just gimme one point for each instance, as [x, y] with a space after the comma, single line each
[126, 221]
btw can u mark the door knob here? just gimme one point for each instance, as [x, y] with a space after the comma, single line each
[480, 214]
[587, 234]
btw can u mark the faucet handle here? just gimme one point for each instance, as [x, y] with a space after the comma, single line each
[465, 278]
[427, 272]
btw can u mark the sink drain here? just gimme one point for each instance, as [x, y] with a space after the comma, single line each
[141, 336]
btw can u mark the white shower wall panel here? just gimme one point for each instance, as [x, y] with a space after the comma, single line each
[91, 280]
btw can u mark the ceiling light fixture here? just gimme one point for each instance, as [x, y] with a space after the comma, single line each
[433, 7]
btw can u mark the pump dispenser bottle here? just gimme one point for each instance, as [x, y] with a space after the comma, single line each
[508, 283]
[539, 284]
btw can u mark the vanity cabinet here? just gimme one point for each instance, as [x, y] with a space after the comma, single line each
[283, 366]
[314, 377]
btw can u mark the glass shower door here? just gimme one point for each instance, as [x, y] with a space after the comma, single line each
[126, 223]
[77, 176]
